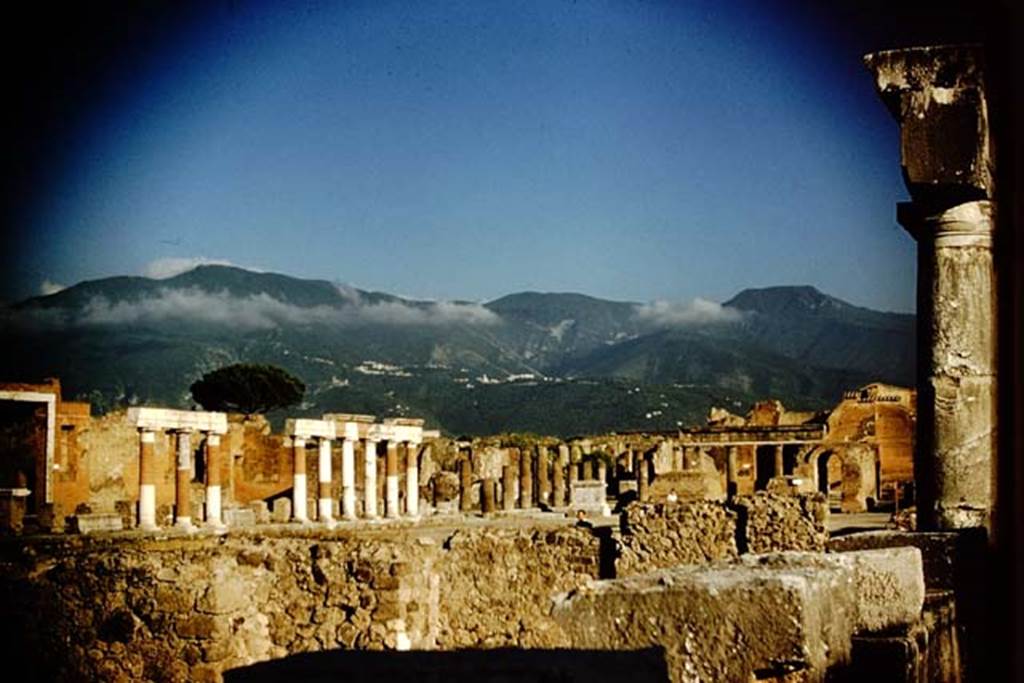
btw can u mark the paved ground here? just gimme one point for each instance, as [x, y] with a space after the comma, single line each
[858, 520]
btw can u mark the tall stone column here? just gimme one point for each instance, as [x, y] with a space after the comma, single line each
[465, 484]
[558, 482]
[602, 471]
[412, 480]
[213, 490]
[543, 477]
[572, 471]
[391, 480]
[325, 501]
[508, 487]
[938, 96]
[525, 480]
[731, 471]
[299, 486]
[488, 496]
[780, 469]
[348, 476]
[147, 480]
[183, 479]
[642, 479]
[370, 479]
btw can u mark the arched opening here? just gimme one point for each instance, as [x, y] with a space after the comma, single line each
[830, 478]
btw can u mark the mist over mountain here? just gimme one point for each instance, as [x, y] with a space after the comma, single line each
[554, 363]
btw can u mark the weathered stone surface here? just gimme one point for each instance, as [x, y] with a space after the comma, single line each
[96, 522]
[721, 622]
[282, 510]
[239, 517]
[940, 551]
[588, 496]
[771, 522]
[888, 584]
[665, 535]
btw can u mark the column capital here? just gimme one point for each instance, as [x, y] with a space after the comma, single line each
[938, 96]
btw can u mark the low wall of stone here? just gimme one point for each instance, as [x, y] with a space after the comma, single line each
[663, 535]
[187, 609]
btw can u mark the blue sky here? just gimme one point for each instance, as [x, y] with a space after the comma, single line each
[465, 150]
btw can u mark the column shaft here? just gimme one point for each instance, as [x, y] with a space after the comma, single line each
[183, 479]
[299, 486]
[779, 461]
[325, 500]
[412, 480]
[370, 479]
[213, 490]
[543, 476]
[525, 480]
[465, 484]
[348, 478]
[641, 479]
[391, 480]
[147, 481]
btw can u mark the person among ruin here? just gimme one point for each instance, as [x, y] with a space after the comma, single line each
[582, 521]
[672, 497]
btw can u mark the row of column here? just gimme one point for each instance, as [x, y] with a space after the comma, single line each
[182, 482]
[325, 503]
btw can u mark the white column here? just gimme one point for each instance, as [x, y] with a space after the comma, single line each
[213, 502]
[147, 481]
[391, 480]
[325, 503]
[412, 481]
[182, 511]
[299, 491]
[370, 479]
[348, 478]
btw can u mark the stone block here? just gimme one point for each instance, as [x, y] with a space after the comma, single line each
[96, 522]
[260, 511]
[687, 485]
[282, 511]
[888, 584]
[239, 517]
[721, 622]
[941, 551]
[589, 496]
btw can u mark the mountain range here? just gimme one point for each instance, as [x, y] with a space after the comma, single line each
[544, 362]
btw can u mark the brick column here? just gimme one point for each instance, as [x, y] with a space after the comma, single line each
[370, 479]
[325, 502]
[558, 481]
[465, 484]
[508, 487]
[213, 490]
[543, 477]
[391, 480]
[348, 477]
[299, 486]
[183, 479]
[525, 480]
[147, 480]
[412, 480]
[731, 470]
[488, 502]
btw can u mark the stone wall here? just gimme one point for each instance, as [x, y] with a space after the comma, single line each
[177, 609]
[666, 535]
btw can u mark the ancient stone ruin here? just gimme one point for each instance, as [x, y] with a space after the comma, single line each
[210, 548]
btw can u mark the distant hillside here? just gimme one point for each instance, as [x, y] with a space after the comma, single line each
[556, 363]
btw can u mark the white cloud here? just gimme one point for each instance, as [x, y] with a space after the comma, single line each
[262, 311]
[679, 314]
[163, 268]
[50, 287]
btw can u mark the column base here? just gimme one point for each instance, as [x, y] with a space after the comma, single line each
[185, 524]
